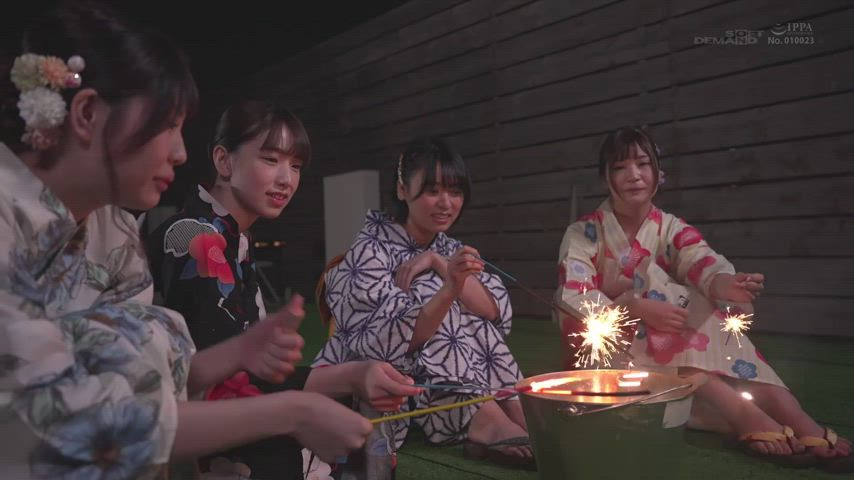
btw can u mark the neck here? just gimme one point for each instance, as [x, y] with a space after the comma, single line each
[630, 217]
[421, 237]
[78, 192]
[225, 196]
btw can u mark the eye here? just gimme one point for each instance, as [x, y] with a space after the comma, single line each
[270, 159]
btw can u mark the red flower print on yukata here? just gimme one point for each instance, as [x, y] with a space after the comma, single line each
[235, 387]
[663, 346]
[696, 270]
[634, 258]
[655, 216]
[207, 250]
[687, 236]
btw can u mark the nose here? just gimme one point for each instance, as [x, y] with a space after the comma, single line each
[285, 175]
[178, 155]
[444, 199]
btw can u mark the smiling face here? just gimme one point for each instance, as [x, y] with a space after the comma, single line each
[433, 207]
[264, 177]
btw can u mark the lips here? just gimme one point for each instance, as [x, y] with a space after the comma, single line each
[163, 183]
[441, 218]
[278, 199]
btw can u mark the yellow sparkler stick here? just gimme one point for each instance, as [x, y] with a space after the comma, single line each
[425, 411]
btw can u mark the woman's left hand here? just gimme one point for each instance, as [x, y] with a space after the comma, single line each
[384, 387]
[740, 288]
[271, 348]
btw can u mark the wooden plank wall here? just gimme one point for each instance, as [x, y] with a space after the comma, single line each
[757, 139]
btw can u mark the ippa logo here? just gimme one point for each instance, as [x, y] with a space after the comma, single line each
[792, 29]
[732, 37]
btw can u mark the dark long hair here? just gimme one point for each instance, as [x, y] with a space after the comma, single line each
[122, 62]
[429, 155]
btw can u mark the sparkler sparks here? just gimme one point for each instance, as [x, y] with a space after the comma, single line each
[736, 325]
[601, 336]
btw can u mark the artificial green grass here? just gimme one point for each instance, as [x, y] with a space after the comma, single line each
[820, 371]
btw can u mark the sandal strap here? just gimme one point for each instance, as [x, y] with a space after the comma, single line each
[829, 440]
[787, 433]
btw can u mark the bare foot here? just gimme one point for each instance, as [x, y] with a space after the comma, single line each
[784, 408]
[490, 424]
[746, 417]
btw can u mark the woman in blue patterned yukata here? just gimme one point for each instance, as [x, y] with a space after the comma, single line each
[630, 253]
[408, 294]
[93, 378]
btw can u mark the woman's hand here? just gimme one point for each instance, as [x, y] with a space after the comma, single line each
[661, 316]
[384, 387]
[738, 288]
[464, 263]
[408, 270]
[271, 348]
[326, 427]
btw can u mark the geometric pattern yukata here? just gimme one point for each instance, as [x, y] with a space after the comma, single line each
[374, 319]
[668, 261]
[90, 371]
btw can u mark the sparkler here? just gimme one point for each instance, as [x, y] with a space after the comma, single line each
[736, 325]
[601, 326]
[602, 334]
[424, 411]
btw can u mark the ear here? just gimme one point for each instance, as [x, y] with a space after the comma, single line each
[401, 192]
[83, 115]
[222, 162]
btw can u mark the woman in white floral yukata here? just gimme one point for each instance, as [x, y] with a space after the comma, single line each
[630, 253]
[93, 378]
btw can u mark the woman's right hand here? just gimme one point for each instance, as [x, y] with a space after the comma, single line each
[659, 315]
[327, 428]
[464, 263]
[408, 270]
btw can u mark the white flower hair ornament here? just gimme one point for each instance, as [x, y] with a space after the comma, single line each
[40, 78]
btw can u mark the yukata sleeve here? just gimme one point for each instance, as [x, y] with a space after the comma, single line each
[689, 259]
[373, 318]
[578, 280]
[95, 388]
[195, 278]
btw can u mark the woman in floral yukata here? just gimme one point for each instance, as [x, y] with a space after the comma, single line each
[93, 378]
[630, 253]
[203, 263]
[408, 294]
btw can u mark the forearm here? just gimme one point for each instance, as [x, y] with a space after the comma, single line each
[474, 295]
[213, 365]
[208, 427]
[478, 300]
[335, 380]
[432, 314]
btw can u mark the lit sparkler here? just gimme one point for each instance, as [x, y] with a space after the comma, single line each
[602, 333]
[736, 325]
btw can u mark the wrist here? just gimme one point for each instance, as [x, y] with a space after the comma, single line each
[233, 351]
[439, 264]
[292, 409]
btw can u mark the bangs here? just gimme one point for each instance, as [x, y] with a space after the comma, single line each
[289, 139]
[452, 174]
